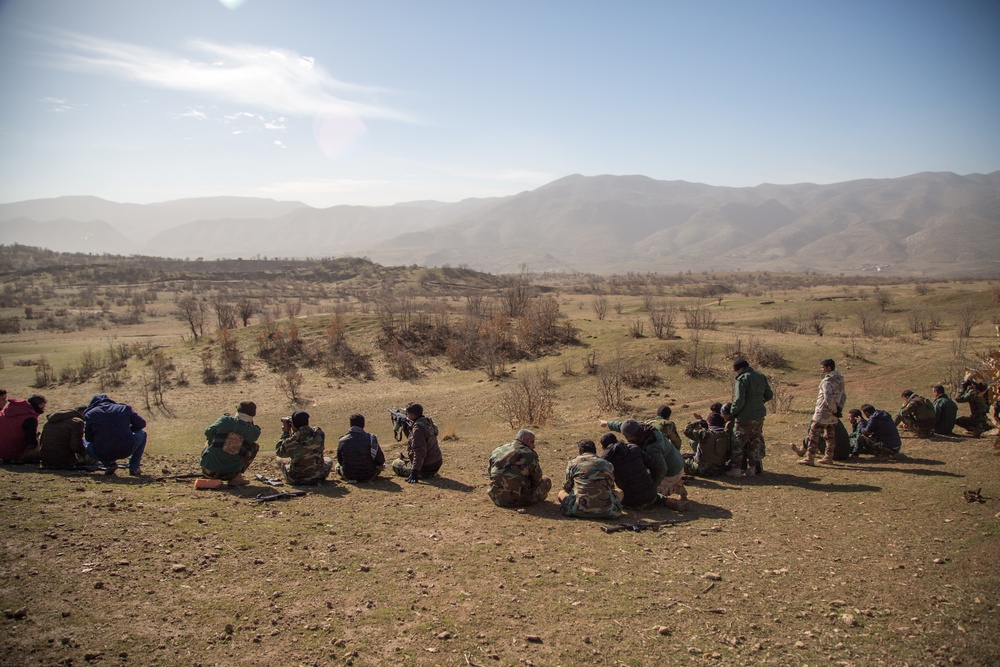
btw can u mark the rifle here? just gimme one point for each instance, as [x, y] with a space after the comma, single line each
[184, 475]
[640, 526]
[261, 498]
[270, 481]
[401, 424]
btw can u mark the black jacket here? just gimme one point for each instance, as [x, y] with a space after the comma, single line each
[359, 455]
[632, 476]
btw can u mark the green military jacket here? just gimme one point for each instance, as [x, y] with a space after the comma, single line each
[668, 429]
[750, 393]
[976, 400]
[514, 473]
[714, 448]
[946, 411]
[230, 440]
[305, 449]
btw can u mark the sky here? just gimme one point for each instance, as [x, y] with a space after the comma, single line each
[378, 102]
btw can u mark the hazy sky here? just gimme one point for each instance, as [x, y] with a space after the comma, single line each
[376, 102]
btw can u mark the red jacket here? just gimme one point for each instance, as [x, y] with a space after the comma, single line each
[12, 419]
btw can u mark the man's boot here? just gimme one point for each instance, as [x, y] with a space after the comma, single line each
[239, 480]
[807, 460]
[826, 460]
[799, 449]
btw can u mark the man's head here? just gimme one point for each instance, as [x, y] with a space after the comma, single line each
[356, 420]
[726, 410]
[37, 402]
[868, 409]
[248, 408]
[631, 429]
[938, 390]
[414, 411]
[586, 447]
[740, 364]
[907, 393]
[526, 438]
[854, 415]
[300, 419]
[827, 365]
[608, 439]
[664, 412]
[715, 407]
[716, 419]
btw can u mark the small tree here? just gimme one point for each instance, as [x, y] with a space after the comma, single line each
[968, 318]
[600, 306]
[192, 311]
[246, 308]
[528, 400]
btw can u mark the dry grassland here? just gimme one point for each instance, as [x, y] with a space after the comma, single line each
[861, 563]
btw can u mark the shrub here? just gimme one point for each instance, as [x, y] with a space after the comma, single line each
[641, 376]
[44, 374]
[528, 400]
[290, 382]
[780, 324]
[10, 325]
[673, 356]
[611, 386]
[401, 362]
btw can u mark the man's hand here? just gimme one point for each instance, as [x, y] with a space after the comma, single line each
[413, 478]
[840, 414]
[603, 422]
[697, 416]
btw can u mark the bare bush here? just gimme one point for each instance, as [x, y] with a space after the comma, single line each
[245, 309]
[780, 324]
[663, 322]
[699, 317]
[45, 376]
[882, 299]
[756, 352]
[293, 308]
[600, 306]
[635, 329]
[290, 382]
[401, 361]
[674, 356]
[10, 325]
[817, 321]
[230, 356]
[968, 318]
[528, 400]
[590, 363]
[641, 376]
[619, 307]
[611, 386]
[342, 360]
[700, 359]
[922, 289]
[874, 324]
[782, 400]
[516, 293]
[225, 312]
[192, 311]
[208, 374]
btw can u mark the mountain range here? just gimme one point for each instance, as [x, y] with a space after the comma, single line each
[924, 224]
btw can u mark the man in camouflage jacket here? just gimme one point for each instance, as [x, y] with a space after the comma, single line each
[917, 414]
[974, 394]
[299, 452]
[589, 490]
[516, 478]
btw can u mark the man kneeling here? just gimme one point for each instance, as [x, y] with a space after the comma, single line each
[515, 475]
[232, 445]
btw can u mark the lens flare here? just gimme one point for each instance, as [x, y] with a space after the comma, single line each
[336, 135]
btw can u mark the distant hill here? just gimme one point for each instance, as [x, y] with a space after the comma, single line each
[67, 236]
[924, 224]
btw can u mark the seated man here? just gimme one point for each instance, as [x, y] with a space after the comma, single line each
[858, 424]
[589, 490]
[880, 436]
[668, 464]
[632, 471]
[516, 478]
[232, 445]
[114, 431]
[843, 446]
[359, 457]
[423, 455]
[666, 427]
[713, 443]
[917, 414]
[19, 429]
[945, 411]
[299, 452]
[62, 446]
[974, 393]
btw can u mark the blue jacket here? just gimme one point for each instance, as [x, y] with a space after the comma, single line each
[882, 429]
[109, 427]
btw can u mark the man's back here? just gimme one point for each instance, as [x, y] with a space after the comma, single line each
[631, 473]
[514, 473]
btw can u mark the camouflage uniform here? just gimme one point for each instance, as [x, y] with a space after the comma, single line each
[668, 430]
[301, 456]
[977, 421]
[829, 405]
[516, 477]
[590, 483]
[713, 449]
[918, 416]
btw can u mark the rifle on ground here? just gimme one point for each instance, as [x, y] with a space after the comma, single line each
[270, 481]
[183, 475]
[640, 526]
[401, 424]
[261, 498]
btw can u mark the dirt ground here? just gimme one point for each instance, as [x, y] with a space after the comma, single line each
[862, 563]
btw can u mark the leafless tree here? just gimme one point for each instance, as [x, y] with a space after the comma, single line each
[225, 312]
[246, 308]
[192, 311]
[600, 306]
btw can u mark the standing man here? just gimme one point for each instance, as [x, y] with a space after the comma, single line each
[19, 429]
[973, 393]
[917, 414]
[232, 445]
[589, 489]
[62, 446]
[829, 409]
[945, 411]
[750, 392]
[299, 451]
[114, 431]
[359, 457]
[423, 455]
[516, 478]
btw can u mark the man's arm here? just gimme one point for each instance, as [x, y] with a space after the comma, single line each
[30, 427]
[137, 422]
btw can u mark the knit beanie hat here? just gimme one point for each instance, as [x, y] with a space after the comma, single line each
[630, 428]
[249, 408]
[300, 419]
[716, 419]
